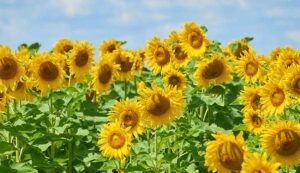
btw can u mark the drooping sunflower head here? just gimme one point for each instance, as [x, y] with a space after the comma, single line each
[11, 70]
[193, 40]
[238, 48]
[47, 72]
[273, 98]
[126, 61]
[282, 142]
[159, 56]
[274, 54]
[225, 153]
[288, 57]
[216, 70]
[292, 81]
[159, 106]
[81, 59]
[104, 73]
[175, 79]
[114, 141]
[109, 46]
[128, 114]
[250, 97]
[20, 92]
[139, 60]
[63, 46]
[254, 163]
[254, 121]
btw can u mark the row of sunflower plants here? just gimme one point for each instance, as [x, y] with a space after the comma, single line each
[180, 104]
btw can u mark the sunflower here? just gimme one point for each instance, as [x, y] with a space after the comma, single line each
[287, 57]
[254, 163]
[128, 114]
[250, 97]
[159, 56]
[126, 61]
[292, 81]
[248, 67]
[273, 98]
[282, 142]
[238, 48]
[3, 98]
[141, 87]
[161, 106]
[104, 73]
[63, 46]
[109, 46]
[274, 54]
[11, 70]
[176, 79]
[254, 121]
[139, 60]
[20, 92]
[193, 40]
[47, 73]
[216, 70]
[23, 55]
[81, 58]
[225, 154]
[114, 141]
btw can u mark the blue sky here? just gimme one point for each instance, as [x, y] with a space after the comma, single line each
[271, 22]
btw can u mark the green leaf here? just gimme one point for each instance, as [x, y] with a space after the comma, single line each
[23, 168]
[5, 147]
[240, 127]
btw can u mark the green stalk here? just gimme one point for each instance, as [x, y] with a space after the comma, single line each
[52, 151]
[125, 88]
[17, 151]
[155, 149]
[70, 156]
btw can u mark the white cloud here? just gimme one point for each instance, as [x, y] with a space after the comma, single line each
[283, 12]
[293, 35]
[72, 8]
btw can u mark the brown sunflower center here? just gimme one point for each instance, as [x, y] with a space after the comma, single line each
[240, 51]
[158, 105]
[105, 74]
[111, 48]
[116, 140]
[195, 39]
[20, 85]
[179, 54]
[48, 71]
[251, 68]
[255, 102]
[82, 58]
[287, 142]
[67, 48]
[277, 97]
[213, 70]
[230, 156]
[1, 96]
[256, 121]
[296, 84]
[129, 119]
[174, 80]
[162, 56]
[8, 68]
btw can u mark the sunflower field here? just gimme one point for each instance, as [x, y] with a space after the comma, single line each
[180, 104]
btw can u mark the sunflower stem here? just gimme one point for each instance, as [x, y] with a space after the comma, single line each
[155, 149]
[8, 119]
[52, 152]
[70, 155]
[17, 140]
[205, 114]
[125, 88]
[287, 170]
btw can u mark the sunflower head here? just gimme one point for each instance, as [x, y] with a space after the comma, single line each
[254, 163]
[109, 46]
[282, 142]
[159, 56]
[63, 46]
[238, 48]
[254, 121]
[225, 153]
[20, 92]
[3, 97]
[175, 79]
[288, 57]
[250, 97]
[216, 70]
[114, 141]
[161, 106]
[292, 81]
[128, 114]
[126, 61]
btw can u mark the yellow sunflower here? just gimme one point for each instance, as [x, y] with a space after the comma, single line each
[22, 55]
[126, 61]
[238, 48]
[159, 56]
[254, 121]
[176, 79]
[47, 72]
[63, 46]
[292, 81]
[274, 54]
[254, 163]
[282, 141]
[103, 75]
[225, 153]
[141, 87]
[250, 97]
[248, 67]
[193, 40]
[20, 92]
[114, 141]
[161, 106]
[3, 98]
[81, 59]
[181, 58]
[287, 57]
[109, 46]
[139, 60]
[216, 70]
[273, 98]
[11, 70]
[128, 114]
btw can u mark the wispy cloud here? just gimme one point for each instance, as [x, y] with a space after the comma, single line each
[291, 12]
[294, 35]
[72, 8]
